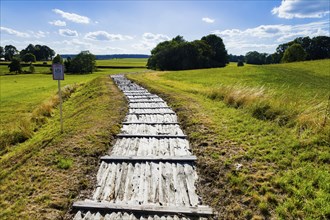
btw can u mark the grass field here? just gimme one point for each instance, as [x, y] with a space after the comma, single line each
[22, 94]
[40, 177]
[259, 134]
[41, 169]
[136, 62]
[125, 62]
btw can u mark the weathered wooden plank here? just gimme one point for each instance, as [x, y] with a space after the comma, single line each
[149, 136]
[152, 113]
[145, 97]
[136, 91]
[146, 209]
[131, 159]
[161, 107]
[146, 101]
[150, 123]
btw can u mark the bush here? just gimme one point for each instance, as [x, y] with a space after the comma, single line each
[31, 69]
[240, 63]
[15, 66]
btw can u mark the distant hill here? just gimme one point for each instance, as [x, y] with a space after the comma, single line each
[112, 56]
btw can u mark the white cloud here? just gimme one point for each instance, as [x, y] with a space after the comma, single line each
[13, 32]
[265, 38]
[72, 16]
[58, 23]
[208, 20]
[155, 37]
[68, 33]
[144, 46]
[302, 9]
[149, 41]
[39, 34]
[105, 36]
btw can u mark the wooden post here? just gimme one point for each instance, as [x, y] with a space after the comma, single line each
[58, 74]
[60, 96]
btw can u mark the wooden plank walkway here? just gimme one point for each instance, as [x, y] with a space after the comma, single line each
[150, 172]
[155, 159]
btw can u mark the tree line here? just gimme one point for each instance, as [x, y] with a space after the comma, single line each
[82, 63]
[31, 53]
[179, 54]
[300, 49]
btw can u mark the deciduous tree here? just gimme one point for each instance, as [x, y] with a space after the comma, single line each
[83, 63]
[29, 57]
[294, 53]
[10, 52]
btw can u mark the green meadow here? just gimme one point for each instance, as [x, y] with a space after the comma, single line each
[42, 169]
[21, 94]
[135, 62]
[261, 134]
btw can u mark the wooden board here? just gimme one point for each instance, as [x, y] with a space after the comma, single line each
[149, 136]
[131, 159]
[153, 113]
[151, 123]
[145, 209]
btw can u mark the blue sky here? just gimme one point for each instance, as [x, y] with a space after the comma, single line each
[108, 27]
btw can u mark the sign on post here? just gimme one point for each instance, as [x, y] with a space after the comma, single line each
[58, 74]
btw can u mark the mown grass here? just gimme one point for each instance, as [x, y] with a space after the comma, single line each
[40, 177]
[4, 70]
[25, 98]
[136, 62]
[251, 164]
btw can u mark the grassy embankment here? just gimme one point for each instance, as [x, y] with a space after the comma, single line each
[40, 176]
[261, 134]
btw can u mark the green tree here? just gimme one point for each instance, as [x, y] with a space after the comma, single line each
[219, 57]
[254, 57]
[10, 52]
[15, 66]
[2, 52]
[67, 64]
[29, 57]
[58, 59]
[294, 53]
[83, 63]
[319, 48]
[179, 54]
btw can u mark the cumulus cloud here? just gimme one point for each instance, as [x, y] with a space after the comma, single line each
[105, 36]
[16, 33]
[72, 17]
[155, 37]
[269, 36]
[208, 20]
[68, 33]
[302, 9]
[58, 23]
[279, 31]
[149, 41]
[39, 34]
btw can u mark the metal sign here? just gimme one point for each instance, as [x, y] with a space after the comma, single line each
[58, 71]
